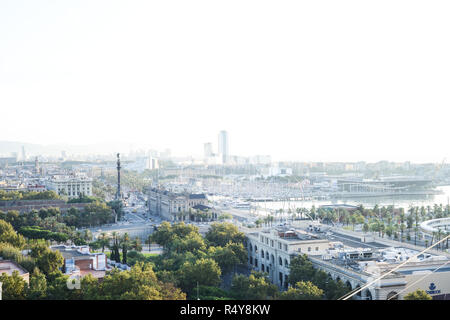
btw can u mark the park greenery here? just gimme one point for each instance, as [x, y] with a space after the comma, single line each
[28, 195]
[48, 282]
[56, 225]
[213, 266]
[191, 266]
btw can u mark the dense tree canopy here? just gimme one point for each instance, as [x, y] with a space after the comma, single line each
[9, 235]
[28, 195]
[254, 287]
[220, 234]
[302, 270]
[302, 291]
[418, 295]
[14, 286]
[203, 272]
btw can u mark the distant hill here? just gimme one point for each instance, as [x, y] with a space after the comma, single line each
[7, 147]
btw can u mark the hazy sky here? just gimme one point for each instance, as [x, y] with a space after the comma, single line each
[300, 80]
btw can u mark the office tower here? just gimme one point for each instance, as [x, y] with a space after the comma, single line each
[223, 146]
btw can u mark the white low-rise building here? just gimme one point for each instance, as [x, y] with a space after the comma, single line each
[353, 261]
[71, 186]
[271, 251]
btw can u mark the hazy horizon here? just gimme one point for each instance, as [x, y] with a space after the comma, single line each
[298, 81]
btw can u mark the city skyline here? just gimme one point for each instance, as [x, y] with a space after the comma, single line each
[357, 95]
[237, 152]
[109, 148]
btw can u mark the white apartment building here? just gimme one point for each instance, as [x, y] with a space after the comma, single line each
[71, 186]
[353, 261]
[271, 251]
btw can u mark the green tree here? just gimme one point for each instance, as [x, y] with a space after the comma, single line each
[301, 269]
[204, 272]
[14, 286]
[38, 286]
[167, 233]
[254, 287]
[229, 256]
[47, 260]
[139, 283]
[365, 227]
[125, 245]
[8, 235]
[57, 287]
[115, 254]
[302, 291]
[225, 216]
[219, 234]
[103, 241]
[137, 244]
[191, 242]
[418, 295]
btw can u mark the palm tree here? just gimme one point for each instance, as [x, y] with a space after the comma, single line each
[376, 208]
[382, 228]
[299, 211]
[271, 220]
[125, 244]
[402, 230]
[439, 234]
[104, 240]
[115, 255]
[87, 235]
[312, 212]
[389, 230]
[422, 213]
[416, 229]
[136, 244]
[353, 221]
[365, 227]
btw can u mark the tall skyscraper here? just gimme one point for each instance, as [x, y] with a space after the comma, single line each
[223, 146]
[24, 155]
